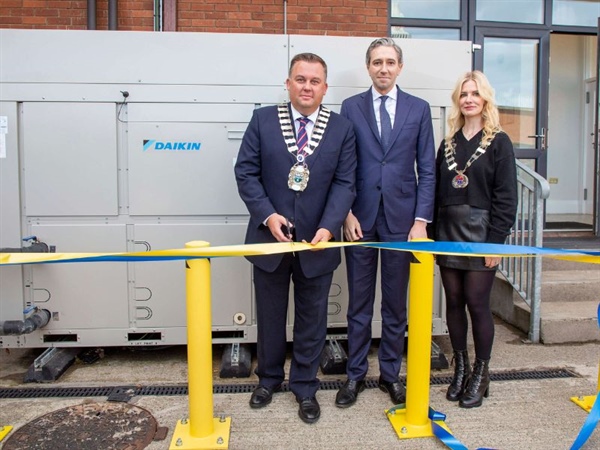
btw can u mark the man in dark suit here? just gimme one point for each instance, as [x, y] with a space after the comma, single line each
[295, 171]
[395, 188]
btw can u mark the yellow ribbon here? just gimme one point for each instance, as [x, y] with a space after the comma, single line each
[447, 248]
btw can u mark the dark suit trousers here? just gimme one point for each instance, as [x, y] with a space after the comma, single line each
[361, 265]
[310, 325]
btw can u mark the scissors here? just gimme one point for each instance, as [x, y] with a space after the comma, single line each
[289, 227]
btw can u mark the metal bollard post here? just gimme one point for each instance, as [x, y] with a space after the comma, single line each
[413, 420]
[202, 430]
[418, 366]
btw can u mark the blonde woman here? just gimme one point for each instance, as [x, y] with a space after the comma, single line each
[476, 201]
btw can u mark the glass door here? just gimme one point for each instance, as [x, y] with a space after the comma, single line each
[596, 145]
[517, 64]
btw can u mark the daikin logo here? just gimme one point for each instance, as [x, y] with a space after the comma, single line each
[171, 146]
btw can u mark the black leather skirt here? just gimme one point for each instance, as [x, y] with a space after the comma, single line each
[462, 223]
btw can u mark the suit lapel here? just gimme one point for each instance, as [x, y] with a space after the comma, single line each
[291, 155]
[366, 107]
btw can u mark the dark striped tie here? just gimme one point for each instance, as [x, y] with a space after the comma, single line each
[386, 123]
[302, 139]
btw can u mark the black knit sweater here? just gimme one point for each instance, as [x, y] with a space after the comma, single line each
[492, 181]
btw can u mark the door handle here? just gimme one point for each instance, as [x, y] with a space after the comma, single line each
[543, 136]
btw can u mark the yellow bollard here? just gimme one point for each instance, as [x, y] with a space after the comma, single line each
[587, 402]
[413, 420]
[201, 430]
[4, 430]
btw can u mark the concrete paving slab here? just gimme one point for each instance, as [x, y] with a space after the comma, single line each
[524, 414]
[570, 286]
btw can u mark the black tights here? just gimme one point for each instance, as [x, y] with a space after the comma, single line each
[469, 289]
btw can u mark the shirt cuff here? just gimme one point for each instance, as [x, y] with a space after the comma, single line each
[267, 219]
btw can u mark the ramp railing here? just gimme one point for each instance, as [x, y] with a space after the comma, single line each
[525, 273]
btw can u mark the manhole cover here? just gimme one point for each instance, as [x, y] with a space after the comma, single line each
[90, 426]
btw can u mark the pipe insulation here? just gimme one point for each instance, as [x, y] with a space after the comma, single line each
[35, 247]
[38, 319]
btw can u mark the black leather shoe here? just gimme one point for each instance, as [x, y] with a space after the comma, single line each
[262, 396]
[309, 410]
[395, 389]
[348, 393]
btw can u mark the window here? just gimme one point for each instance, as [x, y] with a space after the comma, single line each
[447, 34]
[511, 66]
[521, 11]
[576, 12]
[419, 9]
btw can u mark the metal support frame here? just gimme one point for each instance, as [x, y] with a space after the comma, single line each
[525, 273]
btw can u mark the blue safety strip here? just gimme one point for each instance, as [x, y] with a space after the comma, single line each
[593, 417]
[589, 425]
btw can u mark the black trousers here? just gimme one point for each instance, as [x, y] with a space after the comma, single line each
[309, 331]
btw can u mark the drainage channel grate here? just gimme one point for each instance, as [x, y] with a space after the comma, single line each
[126, 392]
[518, 375]
[54, 392]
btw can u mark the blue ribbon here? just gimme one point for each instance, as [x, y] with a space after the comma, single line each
[438, 247]
[589, 425]
[593, 417]
[444, 435]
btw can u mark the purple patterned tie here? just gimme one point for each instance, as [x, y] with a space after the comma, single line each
[302, 139]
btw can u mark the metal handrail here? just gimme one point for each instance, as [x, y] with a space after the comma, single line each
[525, 273]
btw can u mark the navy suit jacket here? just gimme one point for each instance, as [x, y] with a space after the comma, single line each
[262, 170]
[390, 172]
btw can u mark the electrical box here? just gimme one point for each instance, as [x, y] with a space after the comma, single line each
[122, 142]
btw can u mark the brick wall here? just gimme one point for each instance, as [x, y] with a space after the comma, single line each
[317, 17]
[72, 15]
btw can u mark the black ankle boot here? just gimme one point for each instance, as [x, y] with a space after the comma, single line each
[478, 385]
[462, 371]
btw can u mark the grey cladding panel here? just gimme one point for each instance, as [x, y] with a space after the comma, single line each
[70, 159]
[197, 179]
[208, 110]
[142, 57]
[84, 295]
[160, 286]
[11, 293]
[10, 209]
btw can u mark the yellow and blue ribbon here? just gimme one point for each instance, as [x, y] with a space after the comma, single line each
[440, 247]
[593, 417]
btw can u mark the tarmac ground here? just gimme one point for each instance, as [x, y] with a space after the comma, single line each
[527, 414]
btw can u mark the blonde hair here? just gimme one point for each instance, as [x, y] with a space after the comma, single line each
[489, 114]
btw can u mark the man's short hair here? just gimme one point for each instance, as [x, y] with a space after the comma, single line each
[385, 42]
[310, 58]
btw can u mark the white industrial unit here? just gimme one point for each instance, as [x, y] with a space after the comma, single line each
[87, 168]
